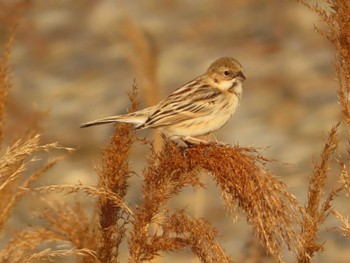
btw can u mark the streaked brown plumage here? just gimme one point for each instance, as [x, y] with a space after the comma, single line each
[199, 107]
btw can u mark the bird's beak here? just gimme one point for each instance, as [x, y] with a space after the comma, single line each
[240, 76]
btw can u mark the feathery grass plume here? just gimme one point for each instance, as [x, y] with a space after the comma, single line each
[50, 255]
[344, 229]
[181, 231]
[345, 177]
[164, 177]
[336, 16]
[12, 165]
[12, 191]
[243, 180]
[13, 187]
[113, 174]
[14, 162]
[71, 223]
[317, 211]
[23, 243]
[104, 233]
[89, 191]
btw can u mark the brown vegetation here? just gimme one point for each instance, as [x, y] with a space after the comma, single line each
[150, 227]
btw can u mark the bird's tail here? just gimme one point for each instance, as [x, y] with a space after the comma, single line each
[136, 118]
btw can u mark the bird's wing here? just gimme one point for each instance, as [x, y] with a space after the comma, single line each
[188, 102]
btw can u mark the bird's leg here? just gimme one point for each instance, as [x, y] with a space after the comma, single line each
[195, 140]
[188, 143]
[216, 140]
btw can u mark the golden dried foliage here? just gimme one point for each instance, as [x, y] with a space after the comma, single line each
[344, 229]
[15, 161]
[24, 242]
[243, 181]
[69, 223]
[113, 175]
[50, 255]
[239, 172]
[345, 177]
[336, 16]
[195, 233]
[316, 210]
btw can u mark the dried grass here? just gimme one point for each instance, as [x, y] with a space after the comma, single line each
[317, 211]
[335, 14]
[15, 163]
[243, 181]
[344, 229]
[150, 227]
[239, 172]
[49, 255]
[345, 178]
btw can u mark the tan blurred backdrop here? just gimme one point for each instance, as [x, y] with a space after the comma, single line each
[78, 59]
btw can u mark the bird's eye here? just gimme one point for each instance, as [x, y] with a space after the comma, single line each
[226, 72]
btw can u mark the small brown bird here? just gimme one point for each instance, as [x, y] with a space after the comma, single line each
[199, 107]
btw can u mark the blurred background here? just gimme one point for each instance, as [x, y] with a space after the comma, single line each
[74, 61]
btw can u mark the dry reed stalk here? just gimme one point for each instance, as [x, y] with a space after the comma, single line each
[345, 177]
[24, 242]
[114, 173]
[344, 229]
[335, 14]
[89, 191]
[243, 180]
[64, 224]
[72, 224]
[317, 211]
[143, 57]
[9, 201]
[12, 165]
[246, 183]
[163, 178]
[14, 162]
[50, 255]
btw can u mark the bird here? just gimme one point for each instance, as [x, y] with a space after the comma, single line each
[197, 108]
